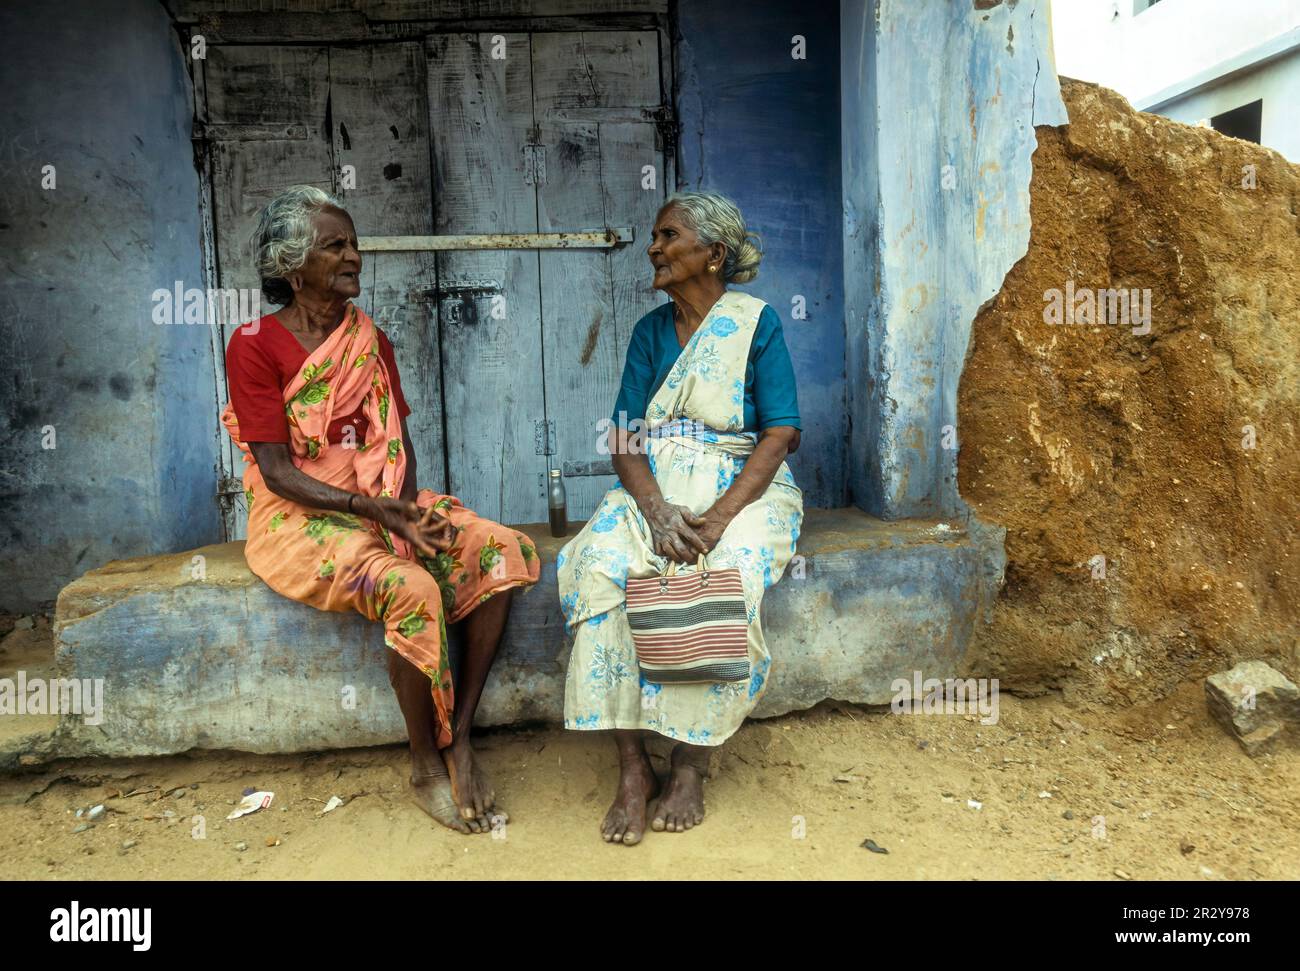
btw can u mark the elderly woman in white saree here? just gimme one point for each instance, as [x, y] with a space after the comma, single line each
[710, 377]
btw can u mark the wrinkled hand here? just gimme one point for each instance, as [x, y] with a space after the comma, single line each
[424, 529]
[672, 532]
[710, 527]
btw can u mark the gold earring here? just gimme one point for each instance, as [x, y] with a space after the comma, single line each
[713, 269]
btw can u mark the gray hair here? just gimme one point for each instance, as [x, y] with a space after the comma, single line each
[716, 219]
[285, 235]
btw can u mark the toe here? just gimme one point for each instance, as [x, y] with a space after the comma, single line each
[657, 824]
[631, 838]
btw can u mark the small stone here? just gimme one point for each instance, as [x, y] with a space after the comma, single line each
[127, 844]
[241, 846]
[1044, 795]
[870, 844]
[96, 813]
[1121, 874]
[1119, 803]
[1068, 814]
[1185, 847]
[1254, 703]
[194, 785]
[273, 841]
[83, 827]
[923, 744]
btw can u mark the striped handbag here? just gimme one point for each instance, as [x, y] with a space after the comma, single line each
[690, 627]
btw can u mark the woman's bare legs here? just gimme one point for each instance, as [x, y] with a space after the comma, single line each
[682, 805]
[431, 785]
[484, 628]
[637, 785]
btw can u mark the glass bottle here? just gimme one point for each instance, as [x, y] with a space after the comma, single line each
[557, 505]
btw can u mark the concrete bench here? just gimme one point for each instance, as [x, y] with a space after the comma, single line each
[219, 661]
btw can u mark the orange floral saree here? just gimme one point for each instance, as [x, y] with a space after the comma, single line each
[339, 561]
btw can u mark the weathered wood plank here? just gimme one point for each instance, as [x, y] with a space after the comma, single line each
[256, 91]
[268, 86]
[626, 150]
[595, 69]
[584, 336]
[491, 343]
[381, 129]
[606, 239]
[190, 11]
[227, 28]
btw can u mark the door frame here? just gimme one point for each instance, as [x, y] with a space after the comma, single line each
[274, 30]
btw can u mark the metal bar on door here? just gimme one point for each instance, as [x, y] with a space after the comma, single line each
[603, 239]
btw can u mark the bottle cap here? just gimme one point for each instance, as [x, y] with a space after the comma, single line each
[555, 473]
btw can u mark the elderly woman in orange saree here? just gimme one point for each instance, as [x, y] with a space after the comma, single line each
[334, 516]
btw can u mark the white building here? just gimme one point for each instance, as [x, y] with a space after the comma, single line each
[1230, 64]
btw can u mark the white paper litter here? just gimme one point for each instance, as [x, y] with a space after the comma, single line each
[251, 803]
[332, 805]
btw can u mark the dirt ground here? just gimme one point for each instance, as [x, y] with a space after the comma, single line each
[1177, 799]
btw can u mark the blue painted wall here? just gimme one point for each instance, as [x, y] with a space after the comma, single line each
[104, 99]
[764, 128]
[940, 104]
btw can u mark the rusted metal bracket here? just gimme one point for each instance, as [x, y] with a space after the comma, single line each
[599, 239]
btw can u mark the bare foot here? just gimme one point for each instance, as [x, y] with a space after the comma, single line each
[473, 793]
[637, 785]
[682, 804]
[432, 793]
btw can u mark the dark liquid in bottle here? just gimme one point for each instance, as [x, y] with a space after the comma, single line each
[559, 522]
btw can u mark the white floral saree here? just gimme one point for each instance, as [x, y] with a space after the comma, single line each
[696, 448]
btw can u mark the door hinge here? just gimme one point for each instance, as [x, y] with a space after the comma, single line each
[534, 165]
[544, 436]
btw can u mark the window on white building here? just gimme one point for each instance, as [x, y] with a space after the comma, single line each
[1243, 122]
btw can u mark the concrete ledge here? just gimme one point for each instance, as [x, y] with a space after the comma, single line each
[223, 662]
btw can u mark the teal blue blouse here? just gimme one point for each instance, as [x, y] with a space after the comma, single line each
[770, 396]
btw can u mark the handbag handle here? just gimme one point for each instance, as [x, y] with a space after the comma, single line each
[701, 566]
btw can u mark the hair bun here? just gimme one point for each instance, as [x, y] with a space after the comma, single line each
[747, 261]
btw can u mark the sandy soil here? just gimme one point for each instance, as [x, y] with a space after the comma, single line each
[1179, 799]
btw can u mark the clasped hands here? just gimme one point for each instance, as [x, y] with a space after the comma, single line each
[679, 534]
[425, 529]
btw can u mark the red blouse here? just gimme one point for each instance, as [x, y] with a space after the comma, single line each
[260, 363]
